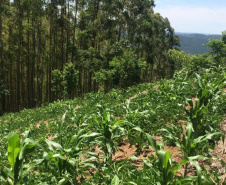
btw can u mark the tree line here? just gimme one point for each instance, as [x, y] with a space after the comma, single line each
[54, 49]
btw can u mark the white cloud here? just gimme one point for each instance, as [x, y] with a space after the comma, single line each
[195, 19]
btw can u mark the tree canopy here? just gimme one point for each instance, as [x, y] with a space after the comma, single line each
[108, 43]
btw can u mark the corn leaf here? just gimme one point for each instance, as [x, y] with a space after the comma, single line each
[115, 180]
[13, 148]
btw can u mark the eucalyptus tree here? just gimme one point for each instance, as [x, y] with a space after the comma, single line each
[19, 51]
[135, 11]
[9, 53]
[1, 53]
[41, 36]
[75, 13]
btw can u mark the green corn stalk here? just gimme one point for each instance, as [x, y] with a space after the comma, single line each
[164, 161]
[67, 161]
[189, 146]
[115, 180]
[108, 130]
[60, 128]
[165, 167]
[17, 153]
[207, 92]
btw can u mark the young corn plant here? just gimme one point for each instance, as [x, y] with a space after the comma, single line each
[64, 158]
[165, 168]
[66, 164]
[18, 153]
[136, 123]
[107, 130]
[136, 119]
[162, 169]
[207, 93]
[118, 173]
[191, 147]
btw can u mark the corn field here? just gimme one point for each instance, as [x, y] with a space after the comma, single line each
[169, 127]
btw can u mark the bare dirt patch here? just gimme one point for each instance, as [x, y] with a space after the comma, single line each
[45, 122]
[220, 153]
[156, 87]
[77, 107]
[125, 151]
[52, 137]
[136, 95]
[188, 107]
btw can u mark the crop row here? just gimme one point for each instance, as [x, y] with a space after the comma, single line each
[75, 141]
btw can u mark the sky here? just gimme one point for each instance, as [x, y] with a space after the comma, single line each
[194, 16]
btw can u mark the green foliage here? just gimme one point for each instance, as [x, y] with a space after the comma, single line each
[179, 58]
[207, 92]
[52, 35]
[65, 83]
[124, 70]
[88, 143]
[104, 76]
[127, 69]
[96, 46]
[17, 154]
[70, 77]
[176, 131]
[107, 132]
[218, 48]
[57, 81]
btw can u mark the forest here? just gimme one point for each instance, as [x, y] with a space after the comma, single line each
[96, 92]
[195, 43]
[55, 49]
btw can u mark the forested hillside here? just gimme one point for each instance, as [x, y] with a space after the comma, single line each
[195, 43]
[62, 49]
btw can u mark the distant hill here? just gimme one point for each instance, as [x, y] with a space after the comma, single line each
[192, 43]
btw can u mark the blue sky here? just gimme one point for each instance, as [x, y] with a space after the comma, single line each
[194, 16]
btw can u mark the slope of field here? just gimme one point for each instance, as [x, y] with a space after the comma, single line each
[132, 136]
[194, 43]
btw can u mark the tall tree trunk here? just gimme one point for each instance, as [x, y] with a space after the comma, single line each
[33, 96]
[39, 67]
[29, 100]
[51, 56]
[74, 29]
[85, 82]
[22, 83]
[89, 81]
[20, 14]
[62, 34]
[68, 36]
[12, 101]
[2, 60]
[80, 89]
